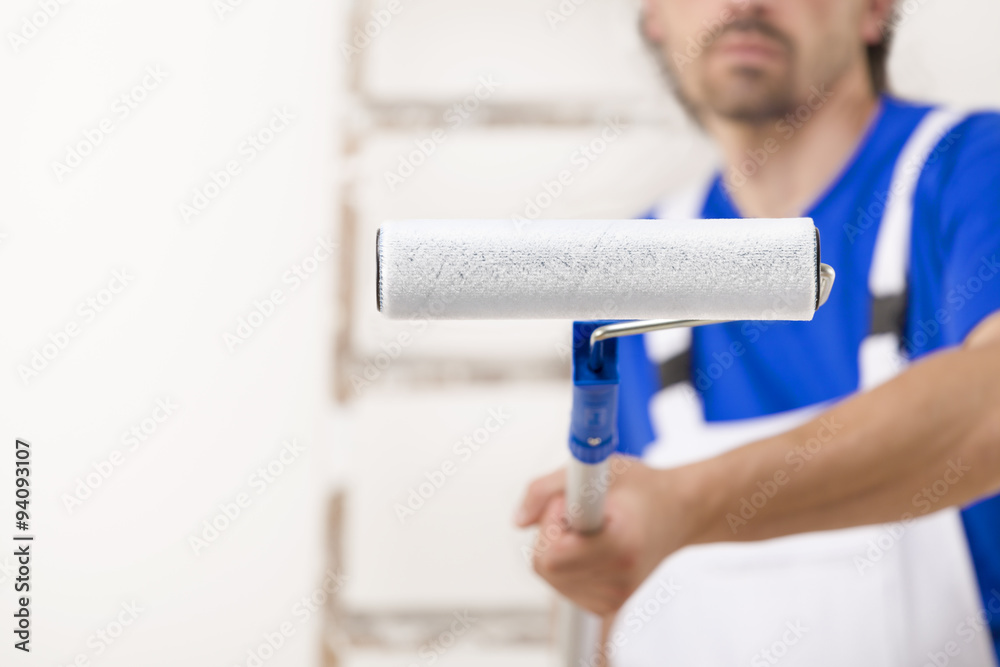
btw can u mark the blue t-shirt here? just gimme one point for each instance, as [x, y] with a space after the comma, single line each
[953, 283]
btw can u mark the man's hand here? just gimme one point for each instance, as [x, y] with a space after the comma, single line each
[644, 522]
[897, 439]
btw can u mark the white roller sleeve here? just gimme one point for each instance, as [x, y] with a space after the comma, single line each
[755, 269]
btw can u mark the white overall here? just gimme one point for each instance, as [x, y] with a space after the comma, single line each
[875, 595]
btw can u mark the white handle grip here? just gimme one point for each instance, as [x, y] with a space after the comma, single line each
[580, 630]
[585, 490]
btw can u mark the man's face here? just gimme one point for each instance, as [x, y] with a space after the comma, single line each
[753, 60]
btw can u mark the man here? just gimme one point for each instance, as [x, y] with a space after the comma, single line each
[707, 557]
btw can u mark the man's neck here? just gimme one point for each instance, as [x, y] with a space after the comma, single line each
[778, 168]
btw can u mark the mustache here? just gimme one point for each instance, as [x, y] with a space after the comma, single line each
[759, 26]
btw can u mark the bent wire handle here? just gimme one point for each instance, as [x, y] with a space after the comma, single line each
[827, 276]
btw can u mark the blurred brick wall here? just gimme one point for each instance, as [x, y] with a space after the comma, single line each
[472, 110]
[488, 102]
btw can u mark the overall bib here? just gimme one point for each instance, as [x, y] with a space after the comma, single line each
[885, 595]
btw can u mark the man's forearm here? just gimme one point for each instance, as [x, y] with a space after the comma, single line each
[926, 440]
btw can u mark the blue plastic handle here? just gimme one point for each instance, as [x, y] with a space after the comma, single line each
[593, 432]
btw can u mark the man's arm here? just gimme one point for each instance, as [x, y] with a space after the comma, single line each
[926, 440]
[887, 453]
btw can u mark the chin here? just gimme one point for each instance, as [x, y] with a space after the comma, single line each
[750, 95]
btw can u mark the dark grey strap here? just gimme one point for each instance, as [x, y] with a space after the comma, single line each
[676, 369]
[888, 314]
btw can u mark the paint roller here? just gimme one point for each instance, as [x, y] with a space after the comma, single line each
[613, 278]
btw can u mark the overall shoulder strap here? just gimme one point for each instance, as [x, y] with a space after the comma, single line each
[880, 357]
[890, 262]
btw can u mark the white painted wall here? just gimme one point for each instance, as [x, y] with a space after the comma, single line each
[162, 336]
